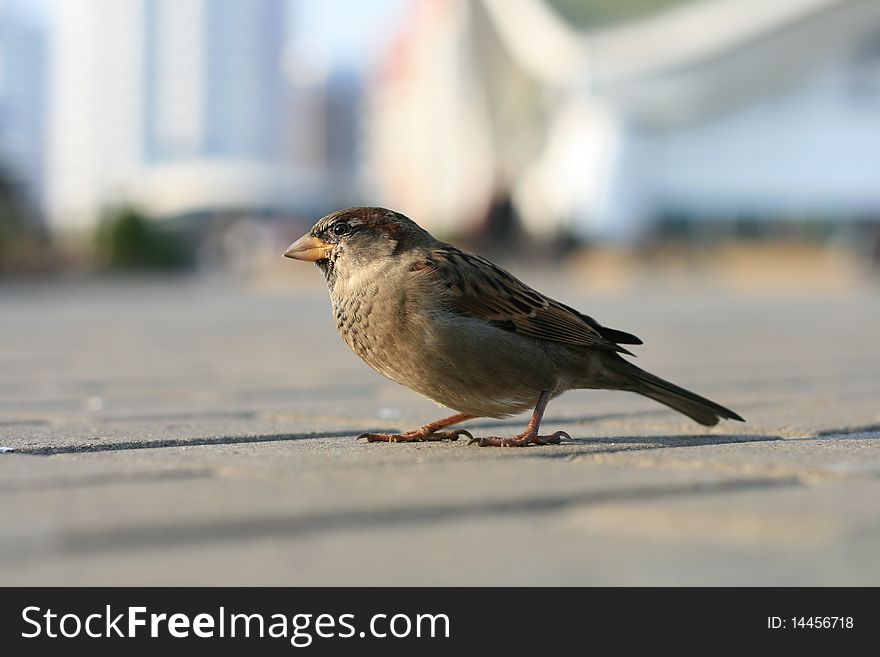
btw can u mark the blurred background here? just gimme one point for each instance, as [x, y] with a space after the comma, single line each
[735, 135]
[176, 408]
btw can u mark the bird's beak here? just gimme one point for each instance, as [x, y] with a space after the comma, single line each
[308, 248]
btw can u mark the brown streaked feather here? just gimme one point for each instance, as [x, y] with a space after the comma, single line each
[480, 289]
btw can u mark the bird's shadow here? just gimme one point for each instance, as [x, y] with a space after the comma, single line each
[608, 444]
[593, 445]
[618, 443]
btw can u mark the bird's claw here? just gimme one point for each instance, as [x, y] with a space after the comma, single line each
[414, 436]
[520, 441]
[455, 433]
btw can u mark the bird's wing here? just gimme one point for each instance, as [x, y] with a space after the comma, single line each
[475, 287]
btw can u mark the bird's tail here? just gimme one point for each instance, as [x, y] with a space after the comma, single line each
[635, 379]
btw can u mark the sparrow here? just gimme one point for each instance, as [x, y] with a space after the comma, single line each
[465, 333]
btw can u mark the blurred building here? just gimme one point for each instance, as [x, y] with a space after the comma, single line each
[428, 148]
[22, 100]
[324, 120]
[176, 106]
[713, 112]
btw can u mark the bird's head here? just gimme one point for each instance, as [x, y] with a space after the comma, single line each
[350, 240]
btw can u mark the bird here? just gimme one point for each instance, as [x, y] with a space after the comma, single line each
[463, 332]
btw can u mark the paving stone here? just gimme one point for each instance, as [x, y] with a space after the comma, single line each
[192, 431]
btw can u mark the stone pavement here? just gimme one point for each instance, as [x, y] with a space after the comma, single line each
[194, 432]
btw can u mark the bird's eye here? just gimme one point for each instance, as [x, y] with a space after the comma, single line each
[341, 229]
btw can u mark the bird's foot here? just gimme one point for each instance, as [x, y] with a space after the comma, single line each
[522, 440]
[414, 436]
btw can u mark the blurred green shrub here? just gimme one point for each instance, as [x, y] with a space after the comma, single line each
[126, 239]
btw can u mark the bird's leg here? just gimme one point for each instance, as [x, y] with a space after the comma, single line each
[427, 432]
[530, 435]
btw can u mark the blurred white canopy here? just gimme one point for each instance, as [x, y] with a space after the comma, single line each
[719, 106]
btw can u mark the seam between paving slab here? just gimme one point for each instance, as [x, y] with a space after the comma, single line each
[683, 441]
[184, 442]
